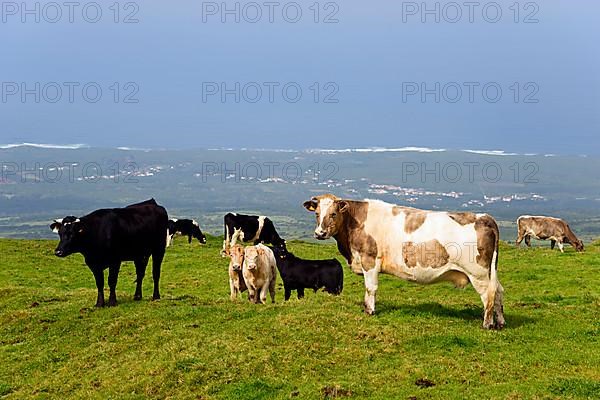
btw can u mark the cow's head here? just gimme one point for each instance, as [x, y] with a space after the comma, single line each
[251, 254]
[70, 230]
[579, 245]
[197, 233]
[236, 254]
[329, 212]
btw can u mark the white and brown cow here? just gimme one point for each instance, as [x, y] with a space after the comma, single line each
[416, 245]
[236, 279]
[260, 273]
[544, 228]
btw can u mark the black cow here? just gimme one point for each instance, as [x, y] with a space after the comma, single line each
[185, 227]
[298, 274]
[106, 237]
[250, 228]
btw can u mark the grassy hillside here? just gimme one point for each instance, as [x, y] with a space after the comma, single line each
[424, 342]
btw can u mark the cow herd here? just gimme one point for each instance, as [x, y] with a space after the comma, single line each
[373, 236]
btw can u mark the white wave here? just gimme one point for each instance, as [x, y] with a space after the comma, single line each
[491, 152]
[44, 146]
[123, 148]
[378, 150]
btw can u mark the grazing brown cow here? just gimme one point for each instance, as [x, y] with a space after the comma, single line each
[544, 228]
[237, 284]
[260, 272]
[415, 245]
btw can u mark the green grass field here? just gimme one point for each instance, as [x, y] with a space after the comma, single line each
[425, 342]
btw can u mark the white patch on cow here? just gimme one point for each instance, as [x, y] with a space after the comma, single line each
[195, 223]
[325, 204]
[56, 228]
[169, 238]
[174, 219]
[261, 224]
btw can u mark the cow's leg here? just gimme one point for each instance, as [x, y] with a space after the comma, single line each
[232, 289]
[371, 285]
[225, 242]
[263, 293]
[251, 294]
[272, 290]
[140, 271]
[560, 246]
[552, 244]
[488, 298]
[520, 236]
[499, 307]
[300, 292]
[113, 275]
[99, 276]
[287, 292]
[528, 240]
[189, 239]
[157, 258]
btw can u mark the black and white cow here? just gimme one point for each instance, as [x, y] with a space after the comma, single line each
[106, 237]
[185, 227]
[250, 228]
[298, 274]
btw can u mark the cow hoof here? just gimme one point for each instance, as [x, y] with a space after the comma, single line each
[112, 303]
[99, 305]
[137, 297]
[499, 326]
[154, 298]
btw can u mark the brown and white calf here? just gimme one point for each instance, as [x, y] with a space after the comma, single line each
[544, 228]
[259, 271]
[237, 284]
[416, 245]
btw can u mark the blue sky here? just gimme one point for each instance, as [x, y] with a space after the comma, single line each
[369, 63]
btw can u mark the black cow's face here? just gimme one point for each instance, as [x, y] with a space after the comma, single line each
[579, 245]
[197, 233]
[70, 230]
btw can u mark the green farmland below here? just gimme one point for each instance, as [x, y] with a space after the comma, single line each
[425, 342]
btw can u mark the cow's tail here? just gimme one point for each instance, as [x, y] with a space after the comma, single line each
[493, 284]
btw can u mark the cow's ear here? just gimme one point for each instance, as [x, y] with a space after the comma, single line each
[311, 205]
[342, 206]
[55, 226]
[78, 226]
